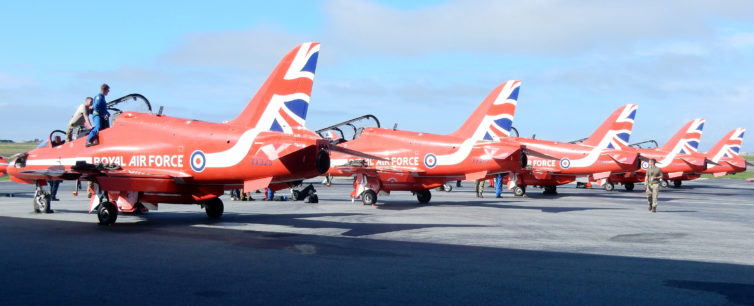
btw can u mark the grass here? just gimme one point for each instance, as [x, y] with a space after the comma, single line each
[737, 176]
[8, 149]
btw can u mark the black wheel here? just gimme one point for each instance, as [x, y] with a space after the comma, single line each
[519, 191]
[296, 194]
[677, 183]
[423, 196]
[550, 190]
[41, 201]
[609, 186]
[214, 208]
[107, 213]
[629, 186]
[369, 197]
[664, 184]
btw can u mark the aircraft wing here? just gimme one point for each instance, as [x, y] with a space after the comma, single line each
[694, 161]
[622, 157]
[534, 153]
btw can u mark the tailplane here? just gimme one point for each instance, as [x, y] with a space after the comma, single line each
[729, 146]
[686, 140]
[282, 102]
[615, 132]
[493, 119]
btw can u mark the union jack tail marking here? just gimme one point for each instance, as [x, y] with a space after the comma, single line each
[493, 119]
[615, 132]
[282, 102]
[729, 146]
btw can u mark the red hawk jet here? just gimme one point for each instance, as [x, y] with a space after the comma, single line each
[145, 159]
[725, 154]
[418, 162]
[597, 157]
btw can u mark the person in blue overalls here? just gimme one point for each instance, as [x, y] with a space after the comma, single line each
[100, 115]
[499, 185]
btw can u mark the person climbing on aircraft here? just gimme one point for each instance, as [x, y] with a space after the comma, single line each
[80, 119]
[100, 115]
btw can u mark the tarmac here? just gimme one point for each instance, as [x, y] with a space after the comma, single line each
[583, 246]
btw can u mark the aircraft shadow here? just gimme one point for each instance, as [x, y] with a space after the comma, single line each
[219, 265]
[359, 227]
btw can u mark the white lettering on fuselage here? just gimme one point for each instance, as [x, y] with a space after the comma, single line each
[395, 161]
[541, 163]
[157, 161]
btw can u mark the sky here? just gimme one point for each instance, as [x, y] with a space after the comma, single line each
[425, 65]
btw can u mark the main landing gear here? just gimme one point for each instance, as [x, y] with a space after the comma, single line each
[519, 190]
[369, 197]
[677, 183]
[423, 196]
[107, 213]
[629, 186]
[214, 208]
[551, 190]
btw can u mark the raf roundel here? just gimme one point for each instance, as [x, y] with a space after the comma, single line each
[565, 163]
[430, 160]
[644, 165]
[198, 161]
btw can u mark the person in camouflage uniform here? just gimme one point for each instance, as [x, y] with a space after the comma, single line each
[652, 181]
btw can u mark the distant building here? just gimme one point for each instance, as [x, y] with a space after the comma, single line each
[6, 141]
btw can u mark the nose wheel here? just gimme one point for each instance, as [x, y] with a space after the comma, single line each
[42, 199]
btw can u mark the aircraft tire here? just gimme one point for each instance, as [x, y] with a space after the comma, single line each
[447, 187]
[214, 208]
[609, 186]
[369, 197]
[664, 184]
[423, 196]
[629, 186]
[550, 190]
[519, 191]
[677, 183]
[107, 213]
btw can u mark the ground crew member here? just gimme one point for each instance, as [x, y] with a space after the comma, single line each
[80, 119]
[652, 181]
[100, 115]
[480, 188]
[499, 185]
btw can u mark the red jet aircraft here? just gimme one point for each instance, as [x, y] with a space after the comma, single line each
[418, 162]
[678, 159]
[145, 159]
[599, 156]
[725, 154]
[3, 166]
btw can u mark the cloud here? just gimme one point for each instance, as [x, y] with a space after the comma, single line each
[546, 27]
[252, 49]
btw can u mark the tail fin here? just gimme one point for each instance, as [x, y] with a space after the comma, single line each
[493, 119]
[616, 130]
[283, 100]
[728, 146]
[686, 140]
